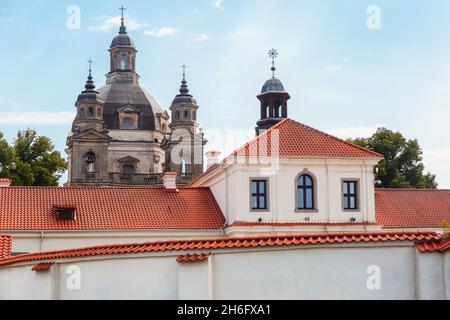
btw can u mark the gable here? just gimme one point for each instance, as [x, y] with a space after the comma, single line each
[90, 134]
[293, 139]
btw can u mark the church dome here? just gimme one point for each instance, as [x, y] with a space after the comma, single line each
[122, 39]
[125, 93]
[273, 85]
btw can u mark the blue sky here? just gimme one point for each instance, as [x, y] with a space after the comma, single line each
[343, 78]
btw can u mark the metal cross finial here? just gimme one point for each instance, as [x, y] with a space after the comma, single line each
[122, 8]
[90, 66]
[184, 71]
[273, 54]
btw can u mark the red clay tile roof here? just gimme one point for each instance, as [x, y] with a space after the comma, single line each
[191, 258]
[440, 246]
[5, 246]
[411, 208]
[292, 139]
[41, 267]
[23, 208]
[228, 243]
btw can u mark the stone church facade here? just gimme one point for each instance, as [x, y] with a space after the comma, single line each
[122, 136]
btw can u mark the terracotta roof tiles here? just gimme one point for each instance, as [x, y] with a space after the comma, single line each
[435, 246]
[42, 267]
[290, 138]
[191, 258]
[30, 208]
[5, 246]
[411, 208]
[228, 243]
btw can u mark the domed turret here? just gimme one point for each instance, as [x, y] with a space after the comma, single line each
[184, 109]
[89, 108]
[273, 100]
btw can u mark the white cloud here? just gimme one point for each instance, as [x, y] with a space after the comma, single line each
[114, 22]
[218, 4]
[355, 132]
[162, 32]
[36, 118]
[201, 37]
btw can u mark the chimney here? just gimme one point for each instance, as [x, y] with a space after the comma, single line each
[212, 158]
[170, 181]
[5, 183]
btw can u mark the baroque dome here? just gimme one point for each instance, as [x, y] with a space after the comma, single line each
[123, 93]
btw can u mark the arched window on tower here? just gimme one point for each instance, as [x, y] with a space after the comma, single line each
[278, 110]
[123, 62]
[268, 113]
[90, 159]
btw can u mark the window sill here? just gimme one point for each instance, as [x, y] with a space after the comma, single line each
[260, 211]
[306, 211]
[351, 210]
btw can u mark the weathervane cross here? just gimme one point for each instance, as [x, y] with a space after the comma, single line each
[90, 65]
[184, 71]
[273, 54]
[122, 8]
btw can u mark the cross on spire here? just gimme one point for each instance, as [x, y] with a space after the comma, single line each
[90, 86]
[122, 25]
[184, 67]
[90, 66]
[122, 8]
[184, 90]
[273, 54]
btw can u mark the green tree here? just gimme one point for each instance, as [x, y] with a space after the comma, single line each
[32, 161]
[402, 166]
[7, 157]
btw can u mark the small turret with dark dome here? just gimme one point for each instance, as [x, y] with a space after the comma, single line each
[89, 107]
[273, 100]
[184, 108]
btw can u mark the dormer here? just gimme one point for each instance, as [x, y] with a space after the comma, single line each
[129, 117]
[65, 212]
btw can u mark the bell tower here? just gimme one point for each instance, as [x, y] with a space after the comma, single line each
[122, 56]
[89, 108]
[273, 100]
[184, 148]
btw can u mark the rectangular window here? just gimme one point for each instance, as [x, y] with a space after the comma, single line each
[259, 194]
[350, 192]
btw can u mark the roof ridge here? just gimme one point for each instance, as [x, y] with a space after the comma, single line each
[336, 138]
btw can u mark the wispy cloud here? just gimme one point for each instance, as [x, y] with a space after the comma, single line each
[218, 4]
[201, 37]
[36, 118]
[114, 22]
[355, 132]
[161, 32]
